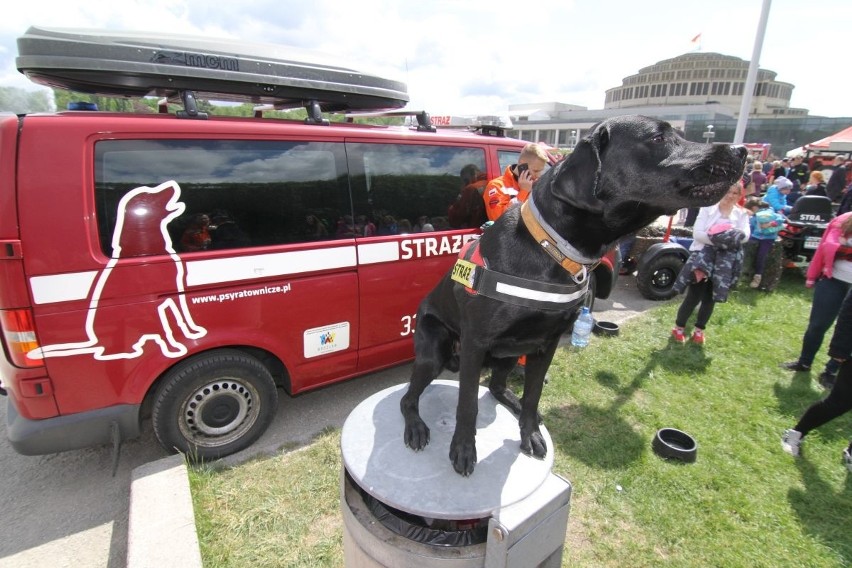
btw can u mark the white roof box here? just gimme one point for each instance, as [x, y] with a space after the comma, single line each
[112, 63]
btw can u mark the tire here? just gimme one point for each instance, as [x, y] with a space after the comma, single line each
[214, 405]
[589, 298]
[655, 281]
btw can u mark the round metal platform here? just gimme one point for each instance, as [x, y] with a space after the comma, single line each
[424, 483]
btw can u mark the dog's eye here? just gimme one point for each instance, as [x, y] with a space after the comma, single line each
[658, 139]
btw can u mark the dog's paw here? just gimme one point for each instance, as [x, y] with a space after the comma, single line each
[534, 445]
[416, 434]
[463, 456]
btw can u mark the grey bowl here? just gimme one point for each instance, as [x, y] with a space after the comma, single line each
[670, 443]
[606, 328]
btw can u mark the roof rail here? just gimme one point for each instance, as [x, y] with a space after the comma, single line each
[491, 130]
[424, 121]
[314, 113]
[190, 106]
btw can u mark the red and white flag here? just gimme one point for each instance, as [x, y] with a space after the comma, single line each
[696, 42]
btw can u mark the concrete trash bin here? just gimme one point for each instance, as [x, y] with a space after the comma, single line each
[406, 508]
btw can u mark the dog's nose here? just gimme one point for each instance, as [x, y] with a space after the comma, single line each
[739, 151]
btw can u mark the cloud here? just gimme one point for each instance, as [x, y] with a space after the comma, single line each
[458, 55]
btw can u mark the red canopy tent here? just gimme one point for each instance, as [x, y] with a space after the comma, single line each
[840, 142]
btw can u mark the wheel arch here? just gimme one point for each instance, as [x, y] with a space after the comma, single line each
[606, 273]
[273, 364]
[659, 249]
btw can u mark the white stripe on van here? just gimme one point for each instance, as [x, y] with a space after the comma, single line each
[219, 270]
[76, 286]
[378, 252]
[62, 287]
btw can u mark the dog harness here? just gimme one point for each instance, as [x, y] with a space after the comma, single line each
[472, 272]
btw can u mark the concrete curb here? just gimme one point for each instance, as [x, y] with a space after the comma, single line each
[161, 524]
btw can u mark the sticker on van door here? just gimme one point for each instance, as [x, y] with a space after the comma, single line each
[141, 230]
[326, 339]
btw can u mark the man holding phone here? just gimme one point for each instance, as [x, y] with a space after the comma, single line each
[515, 184]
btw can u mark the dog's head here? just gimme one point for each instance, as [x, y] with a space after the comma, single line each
[632, 169]
[141, 221]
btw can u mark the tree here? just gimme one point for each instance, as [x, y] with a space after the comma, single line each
[110, 104]
[20, 101]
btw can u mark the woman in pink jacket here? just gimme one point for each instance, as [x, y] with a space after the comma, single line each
[830, 275]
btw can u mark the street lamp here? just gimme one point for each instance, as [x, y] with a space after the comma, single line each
[709, 135]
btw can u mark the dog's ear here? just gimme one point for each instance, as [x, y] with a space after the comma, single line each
[578, 181]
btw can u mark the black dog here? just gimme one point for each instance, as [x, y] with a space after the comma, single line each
[625, 174]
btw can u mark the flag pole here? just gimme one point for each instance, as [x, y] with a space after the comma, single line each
[753, 66]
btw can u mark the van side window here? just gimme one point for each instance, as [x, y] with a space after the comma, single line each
[401, 188]
[236, 193]
[507, 158]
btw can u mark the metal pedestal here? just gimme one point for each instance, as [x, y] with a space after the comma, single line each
[406, 508]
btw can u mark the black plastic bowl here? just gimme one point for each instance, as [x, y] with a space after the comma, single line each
[674, 444]
[606, 328]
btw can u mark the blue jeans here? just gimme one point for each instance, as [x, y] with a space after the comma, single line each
[828, 296]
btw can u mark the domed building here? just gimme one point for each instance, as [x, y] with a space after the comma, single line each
[703, 78]
[699, 93]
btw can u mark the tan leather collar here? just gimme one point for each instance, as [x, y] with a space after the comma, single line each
[549, 244]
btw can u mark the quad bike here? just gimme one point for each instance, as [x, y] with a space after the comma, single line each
[658, 266]
[806, 223]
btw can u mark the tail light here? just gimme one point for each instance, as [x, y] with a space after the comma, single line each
[20, 336]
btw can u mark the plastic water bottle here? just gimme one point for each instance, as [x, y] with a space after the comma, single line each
[582, 328]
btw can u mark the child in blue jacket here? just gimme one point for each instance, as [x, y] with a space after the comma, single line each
[765, 225]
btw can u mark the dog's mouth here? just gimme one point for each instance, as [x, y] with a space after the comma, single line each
[709, 192]
[708, 183]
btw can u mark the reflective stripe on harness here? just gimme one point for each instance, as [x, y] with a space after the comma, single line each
[471, 271]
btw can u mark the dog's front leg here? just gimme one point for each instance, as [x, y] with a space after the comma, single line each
[416, 435]
[432, 349]
[463, 444]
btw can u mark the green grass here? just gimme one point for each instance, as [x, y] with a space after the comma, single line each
[744, 502]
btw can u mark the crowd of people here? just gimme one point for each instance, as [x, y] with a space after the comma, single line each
[755, 209]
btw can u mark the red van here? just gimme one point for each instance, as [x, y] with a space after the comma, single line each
[185, 268]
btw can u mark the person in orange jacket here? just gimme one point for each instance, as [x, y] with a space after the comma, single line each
[515, 184]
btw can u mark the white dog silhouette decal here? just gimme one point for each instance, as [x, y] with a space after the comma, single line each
[140, 231]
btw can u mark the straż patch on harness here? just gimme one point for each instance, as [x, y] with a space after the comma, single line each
[463, 272]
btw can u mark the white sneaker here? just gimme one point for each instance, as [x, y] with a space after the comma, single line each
[791, 441]
[755, 282]
[847, 457]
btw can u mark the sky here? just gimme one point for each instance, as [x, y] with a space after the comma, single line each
[475, 57]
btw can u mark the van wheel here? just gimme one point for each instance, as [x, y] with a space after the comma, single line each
[655, 280]
[214, 405]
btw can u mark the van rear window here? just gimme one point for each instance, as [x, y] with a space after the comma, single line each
[236, 193]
